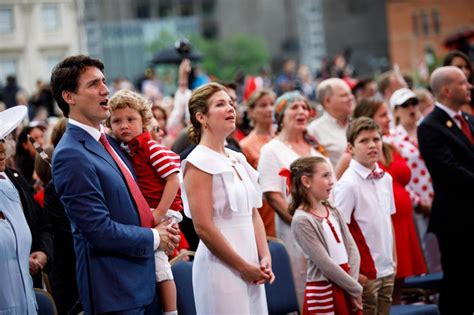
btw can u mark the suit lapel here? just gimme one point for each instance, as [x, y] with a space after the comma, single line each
[450, 126]
[93, 146]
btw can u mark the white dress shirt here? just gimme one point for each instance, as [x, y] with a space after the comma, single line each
[371, 203]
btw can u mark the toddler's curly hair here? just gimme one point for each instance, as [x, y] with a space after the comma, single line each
[126, 98]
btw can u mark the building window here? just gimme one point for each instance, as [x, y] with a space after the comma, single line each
[50, 15]
[8, 67]
[436, 21]
[165, 8]
[186, 9]
[143, 11]
[208, 7]
[6, 20]
[209, 28]
[414, 19]
[426, 23]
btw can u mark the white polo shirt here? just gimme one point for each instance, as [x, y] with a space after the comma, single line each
[370, 203]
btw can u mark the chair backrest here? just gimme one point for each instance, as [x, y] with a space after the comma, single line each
[46, 282]
[183, 278]
[431, 281]
[422, 288]
[46, 305]
[428, 309]
[281, 295]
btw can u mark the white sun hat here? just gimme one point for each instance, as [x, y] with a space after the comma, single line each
[11, 118]
[401, 96]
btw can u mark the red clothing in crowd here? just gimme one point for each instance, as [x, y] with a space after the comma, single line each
[410, 259]
[39, 197]
[152, 163]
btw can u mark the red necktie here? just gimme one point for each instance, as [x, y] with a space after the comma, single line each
[146, 218]
[465, 128]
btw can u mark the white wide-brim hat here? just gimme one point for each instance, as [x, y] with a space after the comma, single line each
[11, 118]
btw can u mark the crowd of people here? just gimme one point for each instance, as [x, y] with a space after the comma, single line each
[366, 181]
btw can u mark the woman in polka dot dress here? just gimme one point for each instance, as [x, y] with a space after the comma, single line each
[420, 187]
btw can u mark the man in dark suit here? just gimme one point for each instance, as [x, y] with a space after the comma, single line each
[115, 263]
[446, 141]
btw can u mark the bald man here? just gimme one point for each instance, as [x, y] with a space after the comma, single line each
[446, 142]
[330, 129]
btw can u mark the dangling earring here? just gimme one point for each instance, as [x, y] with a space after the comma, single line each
[205, 125]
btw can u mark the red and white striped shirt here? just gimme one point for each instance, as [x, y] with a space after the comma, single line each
[152, 163]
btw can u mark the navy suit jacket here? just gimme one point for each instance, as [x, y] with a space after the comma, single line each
[449, 157]
[115, 264]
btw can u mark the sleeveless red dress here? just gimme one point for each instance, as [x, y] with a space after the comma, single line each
[410, 259]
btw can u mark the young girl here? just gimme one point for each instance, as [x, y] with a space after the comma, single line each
[157, 171]
[333, 258]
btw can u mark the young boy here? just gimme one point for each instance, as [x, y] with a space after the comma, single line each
[364, 196]
[157, 171]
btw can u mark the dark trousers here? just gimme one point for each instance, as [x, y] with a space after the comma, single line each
[456, 294]
[153, 309]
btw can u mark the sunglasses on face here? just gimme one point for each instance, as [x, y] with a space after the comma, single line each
[410, 102]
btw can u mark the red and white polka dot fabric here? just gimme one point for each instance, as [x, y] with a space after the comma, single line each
[420, 185]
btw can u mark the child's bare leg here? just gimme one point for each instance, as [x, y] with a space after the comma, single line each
[168, 295]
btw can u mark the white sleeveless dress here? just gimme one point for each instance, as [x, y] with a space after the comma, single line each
[218, 288]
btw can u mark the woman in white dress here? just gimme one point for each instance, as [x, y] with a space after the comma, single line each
[291, 143]
[221, 195]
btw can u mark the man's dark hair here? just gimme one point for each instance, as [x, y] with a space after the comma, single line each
[65, 77]
[361, 84]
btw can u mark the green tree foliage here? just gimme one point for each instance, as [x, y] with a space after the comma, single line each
[223, 58]
[164, 39]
